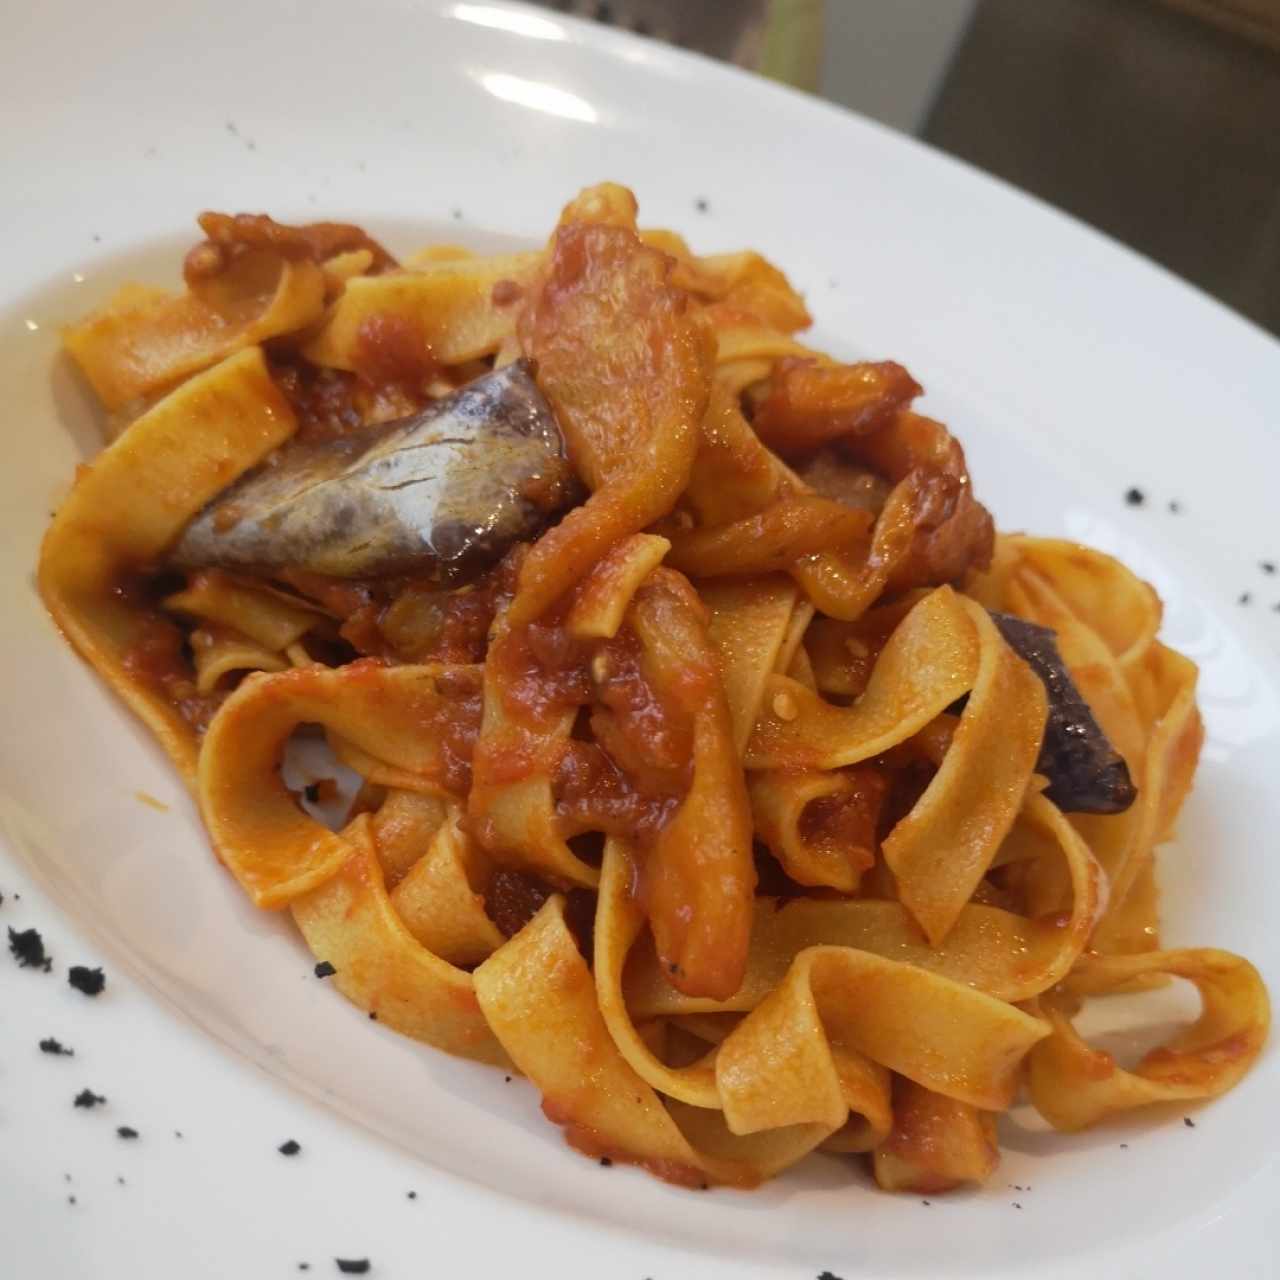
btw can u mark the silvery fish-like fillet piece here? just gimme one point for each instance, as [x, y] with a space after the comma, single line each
[443, 493]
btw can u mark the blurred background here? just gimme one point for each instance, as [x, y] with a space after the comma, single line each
[1157, 121]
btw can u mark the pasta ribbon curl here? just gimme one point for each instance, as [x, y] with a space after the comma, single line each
[1074, 1086]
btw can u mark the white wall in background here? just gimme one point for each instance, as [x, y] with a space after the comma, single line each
[887, 58]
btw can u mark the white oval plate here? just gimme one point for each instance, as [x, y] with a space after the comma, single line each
[1071, 370]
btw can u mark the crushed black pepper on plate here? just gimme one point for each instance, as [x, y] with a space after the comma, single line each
[1135, 497]
[325, 970]
[56, 1047]
[702, 204]
[828, 1275]
[290, 1148]
[1245, 597]
[127, 1132]
[88, 981]
[1175, 506]
[1189, 1122]
[87, 1098]
[27, 948]
[353, 1266]
[605, 1162]
[1267, 566]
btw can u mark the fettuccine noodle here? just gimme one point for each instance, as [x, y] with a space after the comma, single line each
[724, 802]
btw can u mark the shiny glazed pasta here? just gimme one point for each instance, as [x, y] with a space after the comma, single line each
[723, 771]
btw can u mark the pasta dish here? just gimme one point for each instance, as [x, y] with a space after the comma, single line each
[721, 769]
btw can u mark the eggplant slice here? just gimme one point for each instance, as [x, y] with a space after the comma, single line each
[443, 493]
[1086, 773]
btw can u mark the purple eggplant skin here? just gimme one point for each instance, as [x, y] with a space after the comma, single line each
[1086, 773]
[442, 494]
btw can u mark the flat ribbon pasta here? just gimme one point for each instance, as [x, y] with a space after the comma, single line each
[1074, 1086]
[217, 652]
[349, 922]
[447, 306]
[133, 501]
[269, 844]
[1009, 956]
[145, 340]
[538, 996]
[943, 847]
[930, 661]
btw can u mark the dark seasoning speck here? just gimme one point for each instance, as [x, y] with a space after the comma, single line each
[87, 1099]
[127, 1132]
[27, 948]
[353, 1266]
[88, 981]
[56, 1048]
[325, 970]
[290, 1148]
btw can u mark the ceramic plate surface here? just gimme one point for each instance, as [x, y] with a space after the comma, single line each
[1071, 370]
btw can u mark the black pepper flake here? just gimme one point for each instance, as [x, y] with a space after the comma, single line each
[926, 1203]
[66, 1177]
[119, 1180]
[1135, 497]
[126, 1132]
[1124, 1146]
[702, 204]
[605, 1162]
[1267, 566]
[1245, 597]
[312, 792]
[412, 1195]
[1, 894]
[325, 970]
[27, 948]
[353, 1266]
[1189, 1122]
[290, 1148]
[71, 1199]
[506, 1079]
[828, 1275]
[1016, 1205]
[88, 1099]
[373, 1015]
[1175, 506]
[50, 1045]
[86, 980]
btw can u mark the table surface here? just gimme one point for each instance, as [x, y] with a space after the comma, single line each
[1147, 122]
